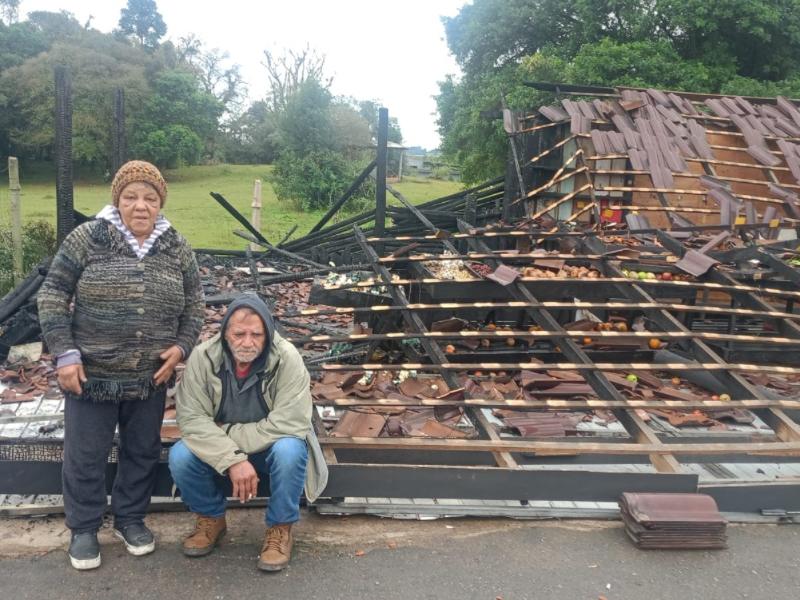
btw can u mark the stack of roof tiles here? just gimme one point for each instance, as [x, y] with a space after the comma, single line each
[680, 521]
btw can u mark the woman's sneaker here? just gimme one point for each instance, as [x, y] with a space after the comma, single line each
[84, 551]
[138, 539]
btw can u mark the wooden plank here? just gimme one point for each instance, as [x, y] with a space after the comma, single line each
[559, 404]
[598, 366]
[530, 446]
[636, 426]
[720, 310]
[503, 459]
[637, 336]
[757, 182]
[778, 293]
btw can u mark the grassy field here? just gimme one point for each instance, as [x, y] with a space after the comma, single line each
[190, 208]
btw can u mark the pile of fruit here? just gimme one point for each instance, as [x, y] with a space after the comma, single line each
[567, 271]
[665, 276]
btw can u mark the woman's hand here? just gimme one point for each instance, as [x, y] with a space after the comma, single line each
[171, 357]
[71, 377]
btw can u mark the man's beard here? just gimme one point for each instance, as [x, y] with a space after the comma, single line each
[245, 355]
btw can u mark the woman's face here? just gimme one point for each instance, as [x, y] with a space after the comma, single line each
[139, 204]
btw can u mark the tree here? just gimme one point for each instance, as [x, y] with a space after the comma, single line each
[56, 26]
[216, 76]
[19, 42]
[9, 10]
[98, 64]
[315, 163]
[369, 110]
[288, 71]
[141, 21]
[251, 136]
[177, 105]
[736, 46]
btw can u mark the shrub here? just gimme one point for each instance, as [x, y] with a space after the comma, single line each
[314, 180]
[38, 242]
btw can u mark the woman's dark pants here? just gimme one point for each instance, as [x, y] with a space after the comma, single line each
[88, 437]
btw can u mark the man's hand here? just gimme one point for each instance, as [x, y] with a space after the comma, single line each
[244, 479]
[71, 377]
[171, 357]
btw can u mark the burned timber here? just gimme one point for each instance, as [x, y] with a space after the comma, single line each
[615, 315]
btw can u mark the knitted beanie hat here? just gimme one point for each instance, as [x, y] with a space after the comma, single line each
[138, 170]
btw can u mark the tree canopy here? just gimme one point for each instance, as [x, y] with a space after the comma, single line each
[727, 46]
[141, 21]
[185, 102]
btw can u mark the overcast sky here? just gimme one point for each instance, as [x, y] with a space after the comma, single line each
[392, 51]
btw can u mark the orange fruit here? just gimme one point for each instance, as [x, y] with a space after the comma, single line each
[450, 349]
[654, 343]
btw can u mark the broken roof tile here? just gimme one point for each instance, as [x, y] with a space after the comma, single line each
[632, 138]
[617, 141]
[554, 113]
[504, 275]
[659, 96]
[718, 108]
[358, 424]
[622, 122]
[745, 105]
[579, 124]
[765, 157]
[695, 263]
[571, 108]
[789, 108]
[599, 142]
[732, 106]
[708, 182]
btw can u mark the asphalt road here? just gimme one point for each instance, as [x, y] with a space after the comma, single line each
[354, 558]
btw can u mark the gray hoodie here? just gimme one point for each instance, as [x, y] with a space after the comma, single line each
[286, 395]
[242, 400]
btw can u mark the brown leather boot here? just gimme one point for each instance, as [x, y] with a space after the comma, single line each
[208, 532]
[277, 548]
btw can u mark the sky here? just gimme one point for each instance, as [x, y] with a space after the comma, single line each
[386, 50]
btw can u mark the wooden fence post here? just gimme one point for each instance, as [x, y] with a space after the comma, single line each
[256, 215]
[16, 218]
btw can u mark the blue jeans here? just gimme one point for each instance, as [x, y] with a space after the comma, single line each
[202, 487]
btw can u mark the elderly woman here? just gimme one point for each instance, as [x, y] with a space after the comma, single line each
[138, 309]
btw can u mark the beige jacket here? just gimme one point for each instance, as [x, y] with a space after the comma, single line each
[288, 398]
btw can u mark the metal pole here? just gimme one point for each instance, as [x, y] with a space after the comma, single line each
[256, 206]
[380, 172]
[63, 117]
[16, 219]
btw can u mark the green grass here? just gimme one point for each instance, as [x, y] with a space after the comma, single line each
[190, 208]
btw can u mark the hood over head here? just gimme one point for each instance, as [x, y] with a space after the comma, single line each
[252, 301]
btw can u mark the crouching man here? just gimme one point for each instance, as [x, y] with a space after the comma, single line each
[244, 409]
